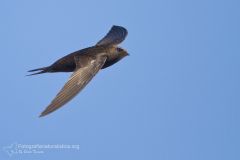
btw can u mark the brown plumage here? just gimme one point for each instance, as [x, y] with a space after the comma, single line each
[85, 64]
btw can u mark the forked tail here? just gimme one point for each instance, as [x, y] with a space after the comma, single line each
[41, 70]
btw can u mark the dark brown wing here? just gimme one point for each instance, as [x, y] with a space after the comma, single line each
[78, 80]
[115, 36]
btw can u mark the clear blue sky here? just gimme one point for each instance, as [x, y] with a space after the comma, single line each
[175, 98]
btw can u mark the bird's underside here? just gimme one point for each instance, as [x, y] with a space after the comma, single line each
[85, 64]
[68, 64]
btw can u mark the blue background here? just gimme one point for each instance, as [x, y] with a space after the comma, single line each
[175, 98]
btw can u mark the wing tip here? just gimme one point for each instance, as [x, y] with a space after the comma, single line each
[115, 36]
[117, 26]
[42, 115]
[45, 112]
[120, 27]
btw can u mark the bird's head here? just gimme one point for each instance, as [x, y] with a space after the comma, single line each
[121, 52]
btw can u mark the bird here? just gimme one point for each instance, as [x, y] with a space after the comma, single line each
[84, 64]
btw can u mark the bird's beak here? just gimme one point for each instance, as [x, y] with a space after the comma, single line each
[128, 54]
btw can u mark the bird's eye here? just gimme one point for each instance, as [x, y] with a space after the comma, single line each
[119, 49]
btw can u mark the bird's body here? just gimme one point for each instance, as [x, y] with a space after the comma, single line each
[85, 64]
[67, 63]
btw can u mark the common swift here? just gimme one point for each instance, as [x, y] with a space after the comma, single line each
[85, 64]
